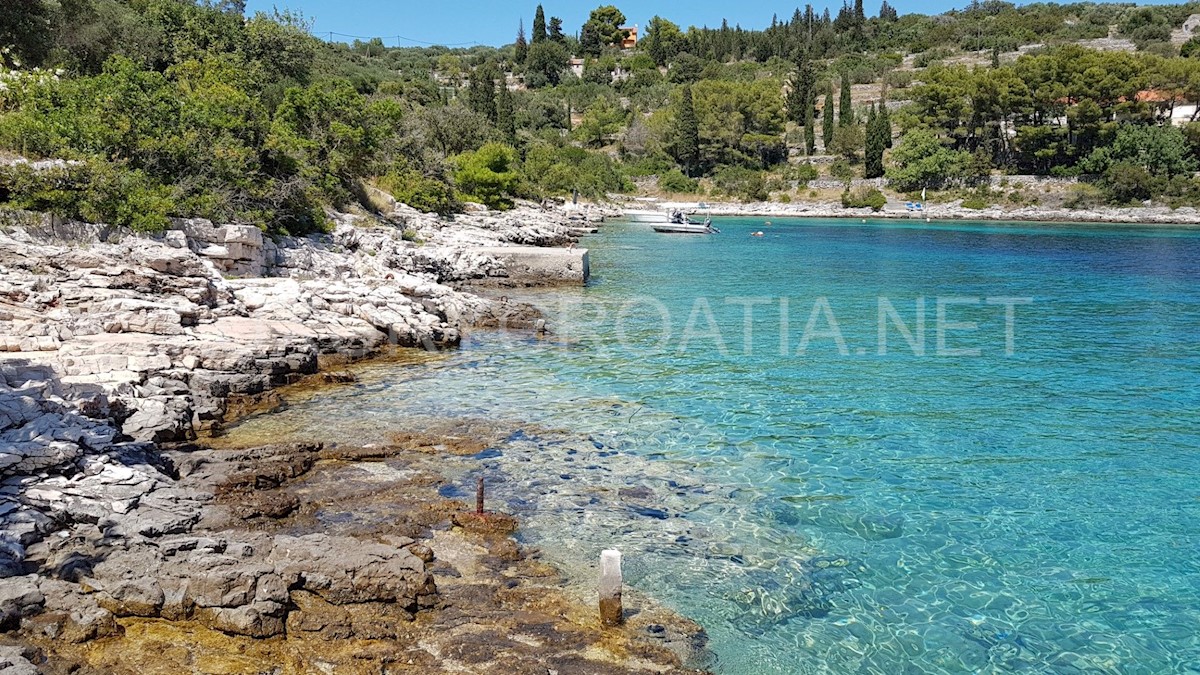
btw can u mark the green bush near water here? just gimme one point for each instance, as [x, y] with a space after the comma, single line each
[864, 198]
[674, 181]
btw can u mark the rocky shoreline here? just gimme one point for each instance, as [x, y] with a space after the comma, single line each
[127, 547]
[1149, 215]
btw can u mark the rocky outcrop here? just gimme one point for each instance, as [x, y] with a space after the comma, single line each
[112, 345]
[144, 539]
[168, 329]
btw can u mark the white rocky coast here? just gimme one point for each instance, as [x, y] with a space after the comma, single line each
[113, 347]
[1148, 215]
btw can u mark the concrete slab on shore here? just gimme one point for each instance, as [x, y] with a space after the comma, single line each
[540, 265]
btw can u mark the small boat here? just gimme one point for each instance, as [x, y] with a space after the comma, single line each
[647, 216]
[679, 223]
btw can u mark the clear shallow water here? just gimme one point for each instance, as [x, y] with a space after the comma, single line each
[1034, 507]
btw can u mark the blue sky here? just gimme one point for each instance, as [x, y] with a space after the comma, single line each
[495, 23]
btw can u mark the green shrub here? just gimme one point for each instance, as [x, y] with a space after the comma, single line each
[800, 172]
[1126, 182]
[742, 183]
[560, 170]
[976, 203]
[423, 193]
[1084, 196]
[96, 192]
[864, 198]
[785, 198]
[487, 175]
[675, 181]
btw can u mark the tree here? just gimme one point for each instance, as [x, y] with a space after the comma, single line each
[885, 124]
[686, 69]
[887, 13]
[848, 141]
[810, 136]
[687, 133]
[487, 176]
[601, 120]
[663, 40]
[827, 120]
[25, 26]
[875, 145]
[602, 29]
[506, 120]
[539, 26]
[556, 31]
[801, 93]
[922, 161]
[545, 64]
[481, 91]
[521, 47]
[846, 105]
[1161, 151]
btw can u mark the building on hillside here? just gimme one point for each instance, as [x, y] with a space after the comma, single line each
[631, 37]
[576, 67]
[1170, 103]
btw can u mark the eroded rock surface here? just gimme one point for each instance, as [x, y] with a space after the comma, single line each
[119, 556]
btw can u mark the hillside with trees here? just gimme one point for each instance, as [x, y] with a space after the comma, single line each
[153, 109]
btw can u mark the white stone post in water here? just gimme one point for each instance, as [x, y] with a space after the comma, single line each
[611, 612]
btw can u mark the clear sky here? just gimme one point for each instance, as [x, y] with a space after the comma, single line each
[495, 23]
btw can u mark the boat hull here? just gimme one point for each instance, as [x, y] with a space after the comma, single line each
[687, 228]
[647, 216]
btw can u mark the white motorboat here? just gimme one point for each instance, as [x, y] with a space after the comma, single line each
[678, 223]
[647, 216]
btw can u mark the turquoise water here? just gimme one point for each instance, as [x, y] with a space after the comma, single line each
[1030, 506]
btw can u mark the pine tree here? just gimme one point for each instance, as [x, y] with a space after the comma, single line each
[846, 109]
[539, 25]
[556, 31]
[810, 134]
[687, 133]
[521, 48]
[827, 120]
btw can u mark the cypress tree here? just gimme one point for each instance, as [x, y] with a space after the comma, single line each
[539, 25]
[846, 109]
[874, 147]
[481, 91]
[506, 119]
[687, 133]
[521, 48]
[885, 124]
[827, 120]
[810, 134]
[800, 97]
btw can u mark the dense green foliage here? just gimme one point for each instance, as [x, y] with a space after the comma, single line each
[180, 108]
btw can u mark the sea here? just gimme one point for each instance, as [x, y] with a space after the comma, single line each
[848, 446]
